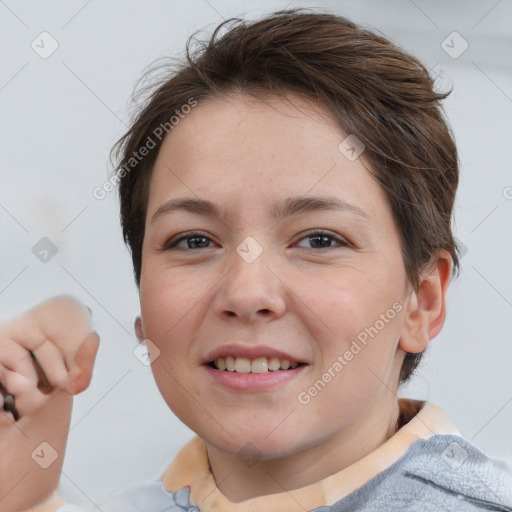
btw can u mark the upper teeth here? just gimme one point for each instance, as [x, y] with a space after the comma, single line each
[260, 365]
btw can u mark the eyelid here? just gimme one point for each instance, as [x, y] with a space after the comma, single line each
[341, 240]
[171, 242]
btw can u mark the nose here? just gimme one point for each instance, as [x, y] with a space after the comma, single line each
[250, 291]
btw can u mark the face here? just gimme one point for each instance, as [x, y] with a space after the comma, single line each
[265, 243]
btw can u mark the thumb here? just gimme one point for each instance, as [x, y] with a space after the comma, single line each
[80, 375]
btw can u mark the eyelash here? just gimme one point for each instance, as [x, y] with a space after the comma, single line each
[171, 244]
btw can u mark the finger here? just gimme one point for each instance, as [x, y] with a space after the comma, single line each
[80, 375]
[28, 399]
[62, 319]
[50, 366]
[24, 332]
[17, 359]
[56, 358]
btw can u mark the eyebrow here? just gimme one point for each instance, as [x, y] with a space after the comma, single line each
[279, 210]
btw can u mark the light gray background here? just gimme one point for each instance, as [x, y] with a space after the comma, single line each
[60, 116]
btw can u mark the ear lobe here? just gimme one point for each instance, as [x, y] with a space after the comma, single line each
[139, 330]
[414, 337]
[426, 311]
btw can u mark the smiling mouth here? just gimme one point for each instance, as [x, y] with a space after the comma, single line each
[259, 365]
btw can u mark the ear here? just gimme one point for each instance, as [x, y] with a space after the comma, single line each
[139, 331]
[426, 310]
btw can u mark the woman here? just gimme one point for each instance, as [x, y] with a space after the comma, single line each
[287, 196]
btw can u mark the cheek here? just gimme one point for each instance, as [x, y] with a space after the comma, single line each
[353, 313]
[168, 299]
[341, 301]
[170, 306]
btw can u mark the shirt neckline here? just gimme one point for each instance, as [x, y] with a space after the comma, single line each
[190, 467]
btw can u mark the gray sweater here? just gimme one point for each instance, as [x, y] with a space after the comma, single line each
[443, 473]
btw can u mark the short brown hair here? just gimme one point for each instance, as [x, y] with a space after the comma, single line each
[374, 90]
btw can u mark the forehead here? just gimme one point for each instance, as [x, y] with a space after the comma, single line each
[241, 147]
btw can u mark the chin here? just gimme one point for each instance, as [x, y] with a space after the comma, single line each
[252, 444]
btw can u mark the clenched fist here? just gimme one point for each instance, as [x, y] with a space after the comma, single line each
[46, 356]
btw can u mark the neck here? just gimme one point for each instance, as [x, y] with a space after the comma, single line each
[240, 482]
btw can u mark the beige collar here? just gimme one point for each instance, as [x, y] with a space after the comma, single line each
[190, 467]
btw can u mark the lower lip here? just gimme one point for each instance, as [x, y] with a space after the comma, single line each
[253, 381]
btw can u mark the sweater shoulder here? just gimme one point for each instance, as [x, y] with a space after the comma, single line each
[444, 472]
[142, 498]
